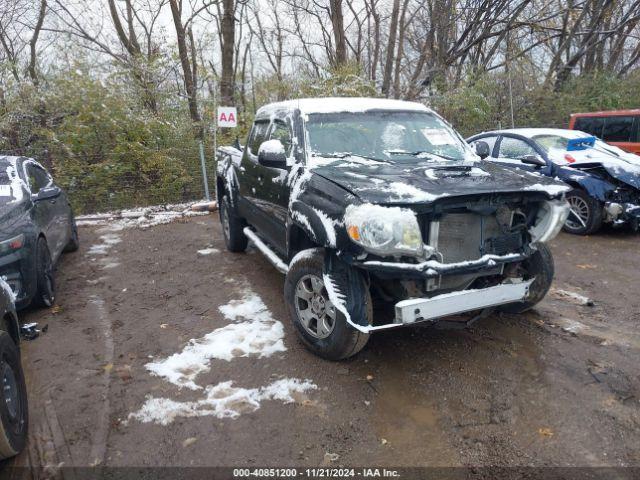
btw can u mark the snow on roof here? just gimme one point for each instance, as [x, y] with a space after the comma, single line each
[340, 104]
[533, 132]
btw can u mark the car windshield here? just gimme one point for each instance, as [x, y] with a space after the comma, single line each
[385, 136]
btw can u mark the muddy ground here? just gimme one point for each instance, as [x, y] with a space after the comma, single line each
[558, 386]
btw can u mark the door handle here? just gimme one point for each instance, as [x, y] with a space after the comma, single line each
[260, 178]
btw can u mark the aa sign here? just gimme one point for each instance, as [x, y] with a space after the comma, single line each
[227, 117]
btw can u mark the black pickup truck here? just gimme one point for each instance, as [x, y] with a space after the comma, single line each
[364, 202]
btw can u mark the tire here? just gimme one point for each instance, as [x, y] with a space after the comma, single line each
[541, 266]
[588, 209]
[45, 282]
[14, 411]
[234, 237]
[322, 328]
[74, 241]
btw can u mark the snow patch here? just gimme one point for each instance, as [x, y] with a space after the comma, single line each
[259, 336]
[222, 401]
[550, 189]
[208, 251]
[329, 226]
[142, 218]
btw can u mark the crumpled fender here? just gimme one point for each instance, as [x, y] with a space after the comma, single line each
[317, 225]
[594, 186]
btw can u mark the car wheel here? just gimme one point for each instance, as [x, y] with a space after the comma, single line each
[320, 325]
[74, 241]
[45, 282]
[585, 216]
[14, 413]
[539, 265]
[234, 238]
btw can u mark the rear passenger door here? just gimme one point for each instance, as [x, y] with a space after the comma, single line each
[265, 189]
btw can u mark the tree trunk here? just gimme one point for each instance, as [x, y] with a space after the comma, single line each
[391, 48]
[228, 27]
[337, 22]
[187, 71]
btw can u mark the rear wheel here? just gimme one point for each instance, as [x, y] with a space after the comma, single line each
[320, 323]
[539, 265]
[585, 216]
[45, 283]
[14, 418]
[234, 237]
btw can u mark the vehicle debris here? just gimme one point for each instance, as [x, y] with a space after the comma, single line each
[29, 331]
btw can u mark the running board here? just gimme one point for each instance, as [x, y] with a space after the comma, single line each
[272, 256]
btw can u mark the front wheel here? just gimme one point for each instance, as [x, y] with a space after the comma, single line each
[539, 265]
[317, 310]
[585, 216]
[14, 418]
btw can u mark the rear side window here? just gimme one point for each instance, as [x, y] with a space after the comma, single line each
[38, 178]
[491, 141]
[514, 148]
[618, 129]
[258, 135]
[592, 125]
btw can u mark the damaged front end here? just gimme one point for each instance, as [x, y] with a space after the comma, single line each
[455, 256]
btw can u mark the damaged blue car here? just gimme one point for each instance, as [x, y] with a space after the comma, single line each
[605, 179]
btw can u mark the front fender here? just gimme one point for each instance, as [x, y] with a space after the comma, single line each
[319, 227]
[594, 186]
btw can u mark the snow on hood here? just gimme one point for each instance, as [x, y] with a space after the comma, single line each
[413, 183]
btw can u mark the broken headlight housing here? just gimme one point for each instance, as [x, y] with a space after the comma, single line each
[549, 221]
[384, 231]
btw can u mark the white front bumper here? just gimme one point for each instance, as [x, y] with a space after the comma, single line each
[421, 309]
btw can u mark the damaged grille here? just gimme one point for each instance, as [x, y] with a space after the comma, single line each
[468, 236]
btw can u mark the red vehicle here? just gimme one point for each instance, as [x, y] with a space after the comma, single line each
[617, 127]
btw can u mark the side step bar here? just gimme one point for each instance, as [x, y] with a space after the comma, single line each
[267, 252]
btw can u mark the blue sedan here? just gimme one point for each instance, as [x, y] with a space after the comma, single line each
[605, 179]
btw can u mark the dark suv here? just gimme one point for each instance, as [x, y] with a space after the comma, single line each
[362, 201]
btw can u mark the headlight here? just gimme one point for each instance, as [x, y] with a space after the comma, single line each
[550, 219]
[9, 246]
[384, 230]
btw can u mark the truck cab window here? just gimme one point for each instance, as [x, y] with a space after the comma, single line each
[258, 135]
[282, 132]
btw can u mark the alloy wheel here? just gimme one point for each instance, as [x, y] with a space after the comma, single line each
[314, 309]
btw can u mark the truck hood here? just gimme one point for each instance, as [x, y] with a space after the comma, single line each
[424, 182]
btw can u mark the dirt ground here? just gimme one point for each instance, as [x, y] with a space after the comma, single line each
[558, 386]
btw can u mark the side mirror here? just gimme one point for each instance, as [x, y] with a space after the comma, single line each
[271, 154]
[533, 160]
[46, 193]
[482, 149]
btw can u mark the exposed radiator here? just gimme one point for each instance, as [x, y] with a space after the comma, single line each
[467, 236]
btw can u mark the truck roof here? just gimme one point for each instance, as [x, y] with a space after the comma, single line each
[339, 105]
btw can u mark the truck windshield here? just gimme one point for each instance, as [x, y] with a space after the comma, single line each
[384, 135]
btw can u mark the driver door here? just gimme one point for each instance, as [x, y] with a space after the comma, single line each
[44, 212]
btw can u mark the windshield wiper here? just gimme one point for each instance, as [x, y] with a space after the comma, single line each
[422, 152]
[342, 155]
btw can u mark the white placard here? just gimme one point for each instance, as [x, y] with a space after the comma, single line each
[227, 117]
